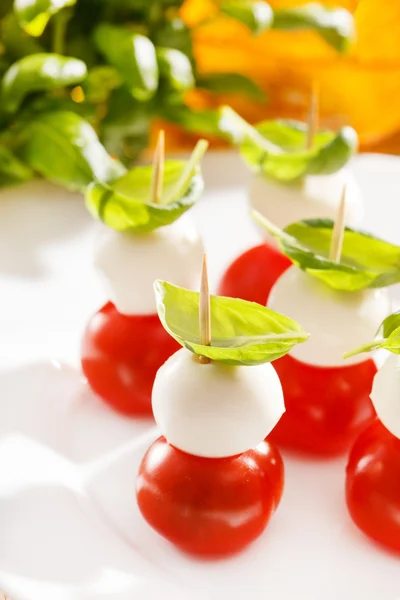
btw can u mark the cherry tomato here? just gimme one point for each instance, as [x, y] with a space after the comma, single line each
[326, 407]
[373, 485]
[209, 506]
[252, 275]
[121, 355]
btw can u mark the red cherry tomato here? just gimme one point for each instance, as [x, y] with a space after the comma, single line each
[373, 485]
[208, 506]
[326, 407]
[121, 355]
[252, 275]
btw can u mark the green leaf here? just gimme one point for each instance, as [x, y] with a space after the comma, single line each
[126, 205]
[65, 149]
[257, 16]
[388, 337]
[133, 55]
[12, 170]
[33, 15]
[366, 261]
[176, 69]
[334, 25]
[36, 73]
[99, 84]
[243, 333]
[278, 148]
[205, 122]
[15, 40]
[227, 83]
[5, 7]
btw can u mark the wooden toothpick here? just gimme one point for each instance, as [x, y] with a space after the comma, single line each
[205, 310]
[158, 169]
[312, 115]
[338, 230]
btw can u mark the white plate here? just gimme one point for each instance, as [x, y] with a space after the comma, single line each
[69, 526]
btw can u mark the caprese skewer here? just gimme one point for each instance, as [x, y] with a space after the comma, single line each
[373, 469]
[211, 482]
[335, 288]
[124, 343]
[298, 173]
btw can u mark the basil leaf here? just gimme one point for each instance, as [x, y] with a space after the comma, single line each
[334, 25]
[5, 7]
[388, 337]
[99, 84]
[65, 149]
[33, 15]
[257, 16]
[228, 83]
[366, 261]
[12, 170]
[133, 55]
[243, 333]
[278, 149]
[176, 69]
[15, 40]
[204, 122]
[125, 205]
[38, 72]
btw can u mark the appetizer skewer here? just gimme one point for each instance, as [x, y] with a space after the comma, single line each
[339, 297]
[373, 469]
[299, 172]
[211, 482]
[124, 343]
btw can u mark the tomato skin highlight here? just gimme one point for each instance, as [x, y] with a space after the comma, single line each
[253, 274]
[373, 485]
[206, 506]
[326, 407]
[120, 357]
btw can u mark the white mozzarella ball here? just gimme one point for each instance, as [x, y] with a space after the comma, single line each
[214, 410]
[337, 321]
[316, 196]
[385, 394]
[130, 263]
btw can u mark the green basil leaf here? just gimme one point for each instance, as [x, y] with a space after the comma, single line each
[174, 33]
[176, 69]
[205, 122]
[243, 333]
[38, 72]
[334, 25]
[99, 84]
[33, 15]
[15, 40]
[228, 83]
[387, 337]
[12, 170]
[133, 55]
[278, 149]
[257, 16]
[366, 261]
[65, 149]
[125, 205]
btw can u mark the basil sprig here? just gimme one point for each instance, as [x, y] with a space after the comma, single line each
[125, 204]
[243, 333]
[366, 261]
[117, 65]
[387, 337]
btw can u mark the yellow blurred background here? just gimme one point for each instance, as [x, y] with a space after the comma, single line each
[360, 88]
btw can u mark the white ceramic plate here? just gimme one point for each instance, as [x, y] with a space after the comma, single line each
[69, 525]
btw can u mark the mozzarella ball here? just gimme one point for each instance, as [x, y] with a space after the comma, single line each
[130, 263]
[385, 394]
[337, 321]
[316, 196]
[214, 410]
